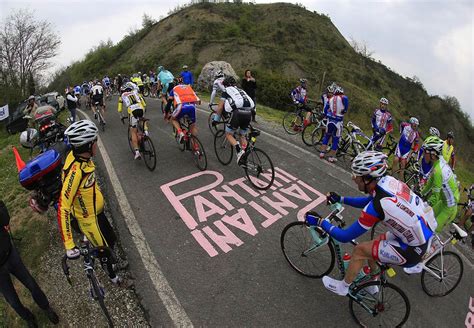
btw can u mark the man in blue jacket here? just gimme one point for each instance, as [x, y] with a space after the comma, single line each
[187, 76]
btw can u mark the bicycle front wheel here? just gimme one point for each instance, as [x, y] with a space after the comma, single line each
[210, 119]
[292, 123]
[307, 134]
[379, 305]
[306, 250]
[446, 273]
[148, 153]
[98, 294]
[223, 149]
[199, 154]
[258, 165]
[101, 121]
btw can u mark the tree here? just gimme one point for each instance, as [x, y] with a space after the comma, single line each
[26, 46]
[361, 48]
[147, 21]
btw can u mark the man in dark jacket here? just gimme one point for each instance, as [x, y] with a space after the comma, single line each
[11, 263]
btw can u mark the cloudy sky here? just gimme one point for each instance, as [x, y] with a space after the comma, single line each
[430, 39]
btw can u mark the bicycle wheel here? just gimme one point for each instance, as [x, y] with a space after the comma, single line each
[307, 134]
[317, 136]
[451, 265]
[258, 165]
[223, 149]
[384, 306]
[148, 153]
[377, 229]
[214, 128]
[199, 154]
[306, 250]
[101, 121]
[146, 92]
[292, 123]
[98, 294]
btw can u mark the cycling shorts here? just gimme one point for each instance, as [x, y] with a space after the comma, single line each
[98, 231]
[166, 87]
[186, 110]
[239, 119]
[402, 150]
[98, 99]
[390, 250]
[334, 128]
[444, 214]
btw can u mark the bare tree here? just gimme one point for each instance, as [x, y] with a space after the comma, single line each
[26, 46]
[361, 48]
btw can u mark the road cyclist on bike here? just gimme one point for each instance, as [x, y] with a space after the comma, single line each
[335, 109]
[410, 223]
[106, 83]
[137, 80]
[217, 87]
[82, 199]
[185, 101]
[381, 124]
[166, 78]
[425, 167]
[97, 96]
[408, 143]
[136, 106]
[299, 95]
[239, 105]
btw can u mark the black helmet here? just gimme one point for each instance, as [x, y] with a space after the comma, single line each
[229, 81]
[451, 134]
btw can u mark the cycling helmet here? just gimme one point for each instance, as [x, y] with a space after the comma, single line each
[160, 68]
[81, 133]
[229, 81]
[28, 138]
[219, 73]
[303, 80]
[338, 90]
[451, 134]
[414, 120]
[185, 66]
[370, 163]
[331, 88]
[434, 132]
[31, 98]
[129, 85]
[384, 101]
[433, 145]
[139, 73]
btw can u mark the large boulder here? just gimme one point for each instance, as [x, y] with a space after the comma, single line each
[208, 72]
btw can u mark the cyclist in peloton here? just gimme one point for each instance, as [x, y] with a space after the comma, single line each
[425, 167]
[335, 109]
[448, 150]
[389, 201]
[97, 94]
[239, 104]
[442, 187]
[185, 101]
[409, 141]
[217, 86]
[136, 108]
[136, 78]
[328, 94]
[166, 79]
[381, 124]
[299, 95]
[106, 84]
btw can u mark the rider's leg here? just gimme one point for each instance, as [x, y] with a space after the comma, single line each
[403, 164]
[445, 215]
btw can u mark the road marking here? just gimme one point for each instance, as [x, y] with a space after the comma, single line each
[165, 292]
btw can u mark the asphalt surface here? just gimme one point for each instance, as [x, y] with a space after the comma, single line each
[217, 240]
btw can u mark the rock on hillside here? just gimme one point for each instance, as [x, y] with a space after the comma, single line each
[209, 71]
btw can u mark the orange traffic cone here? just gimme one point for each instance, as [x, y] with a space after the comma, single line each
[19, 162]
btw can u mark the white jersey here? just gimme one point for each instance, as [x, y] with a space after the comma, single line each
[97, 90]
[131, 100]
[217, 86]
[236, 98]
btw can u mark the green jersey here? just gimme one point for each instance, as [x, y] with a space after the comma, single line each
[443, 185]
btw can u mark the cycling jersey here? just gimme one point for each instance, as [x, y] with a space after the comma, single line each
[106, 81]
[409, 139]
[217, 86]
[448, 151]
[85, 89]
[325, 99]
[382, 119]
[336, 107]
[236, 98]
[135, 105]
[299, 94]
[97, 91]
[184, 99]
[81, 198]
[444, 190]
[77, 90]
[137, 80]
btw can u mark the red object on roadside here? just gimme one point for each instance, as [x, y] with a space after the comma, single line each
[19, 162]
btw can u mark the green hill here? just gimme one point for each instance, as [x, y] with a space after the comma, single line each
[280, 42]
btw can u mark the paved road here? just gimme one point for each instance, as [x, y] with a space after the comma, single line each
[217, 241]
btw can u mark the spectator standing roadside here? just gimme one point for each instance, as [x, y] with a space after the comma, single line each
[187, 76]
[11, 263]
[249, 86]
[30, 109]
[72, 103]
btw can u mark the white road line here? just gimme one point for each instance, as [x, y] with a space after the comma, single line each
[165, 292]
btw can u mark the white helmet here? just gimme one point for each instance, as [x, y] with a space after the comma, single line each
[384, 101]
[219, 73]
[81, 133]
[331, 88]
[434, 132]
[414, 120]
[28, 138]
[370, 163]
[433, 145]
[339, 90]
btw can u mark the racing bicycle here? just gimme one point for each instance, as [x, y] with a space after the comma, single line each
[215, 126]
[293, 122]
[100, 117]
[192, 143]
[145, 144]
[312, 252]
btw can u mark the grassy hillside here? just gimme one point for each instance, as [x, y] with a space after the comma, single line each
[288, 42]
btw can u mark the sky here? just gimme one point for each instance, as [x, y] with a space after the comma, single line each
[432, 40]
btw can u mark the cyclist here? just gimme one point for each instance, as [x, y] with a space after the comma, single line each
[442, 187]
[119, 82]
[425, 167]
[448, 150]
[239, 104]
[146, 82]
[166, 79]
[469, 213]
[217, 86]
[390, 201]
[381, 124]
[152, 84]
[106, 84]
[187, 76]
[328, 94]
[97, 95]
[81, 197]
[136, 106]
[409, 140]
[334, 111]
[185, 101]
[299, 95]
[85, 89]
[137, 80]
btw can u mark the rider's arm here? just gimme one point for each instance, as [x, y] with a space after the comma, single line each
[374, 121]
[345, 102]
[434, 184]
[68, 193]
[358, 202]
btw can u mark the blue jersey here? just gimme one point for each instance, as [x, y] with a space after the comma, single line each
[187, 77]
[165, 77]
[77, 89]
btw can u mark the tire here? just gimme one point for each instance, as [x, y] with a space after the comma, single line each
[199, 154]
[148, 153]
[451, 263]
[101, 121]
[223, 149]
[377, 229]
[317, 136]
[258, 164]
[296, 238]
[146, 92]
[182, 145]
[291, 121]
[307, 134]
[214, 128]
[99, 295]
[385, 315]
